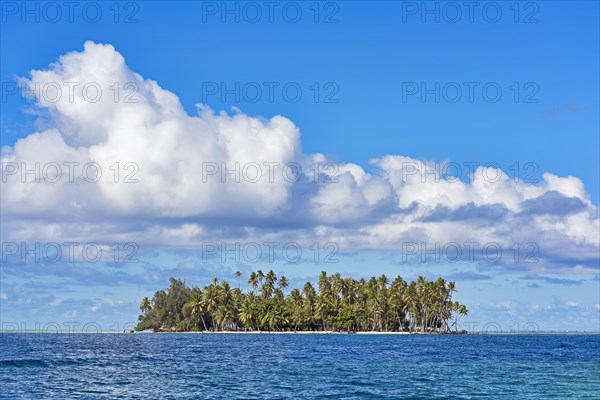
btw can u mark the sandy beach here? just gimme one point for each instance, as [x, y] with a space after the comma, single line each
[298, 333]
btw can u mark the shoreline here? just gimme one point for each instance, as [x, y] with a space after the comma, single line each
[480, 333]
[303, 333]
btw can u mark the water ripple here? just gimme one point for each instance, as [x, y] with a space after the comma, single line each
[193, 366]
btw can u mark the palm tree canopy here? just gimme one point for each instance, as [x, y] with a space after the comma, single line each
[335, 303]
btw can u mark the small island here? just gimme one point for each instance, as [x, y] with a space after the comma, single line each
[336, 304]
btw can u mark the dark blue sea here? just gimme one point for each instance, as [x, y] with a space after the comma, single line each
[215, 366]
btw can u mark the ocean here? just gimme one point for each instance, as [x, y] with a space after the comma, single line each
[295, 366]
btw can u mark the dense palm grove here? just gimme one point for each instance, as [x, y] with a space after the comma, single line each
[335, 304]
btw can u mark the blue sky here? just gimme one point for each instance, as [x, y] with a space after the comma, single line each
[356, 72]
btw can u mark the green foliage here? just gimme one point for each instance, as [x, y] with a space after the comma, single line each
[336, 304]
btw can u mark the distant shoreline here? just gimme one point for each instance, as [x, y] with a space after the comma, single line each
[304, 333]
[479, 333]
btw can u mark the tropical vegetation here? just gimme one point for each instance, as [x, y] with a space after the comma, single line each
[334, 303]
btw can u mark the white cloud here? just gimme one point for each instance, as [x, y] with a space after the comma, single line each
[172, 205]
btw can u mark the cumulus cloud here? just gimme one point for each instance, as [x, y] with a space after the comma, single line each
[173, 179]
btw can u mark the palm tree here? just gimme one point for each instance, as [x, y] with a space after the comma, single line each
[254, 280]
[219, 300]
[260, 275]
[337, 302]
[461, 310]
[271, 278]
[198, 306]
[295, 307]
[309, 293]
[237, 275]
[269, 285]
[211, 301]
[145, 305]
[274, 318]
[247, 311]
[283, 283]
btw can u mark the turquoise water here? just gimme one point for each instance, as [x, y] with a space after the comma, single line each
[193, 366]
